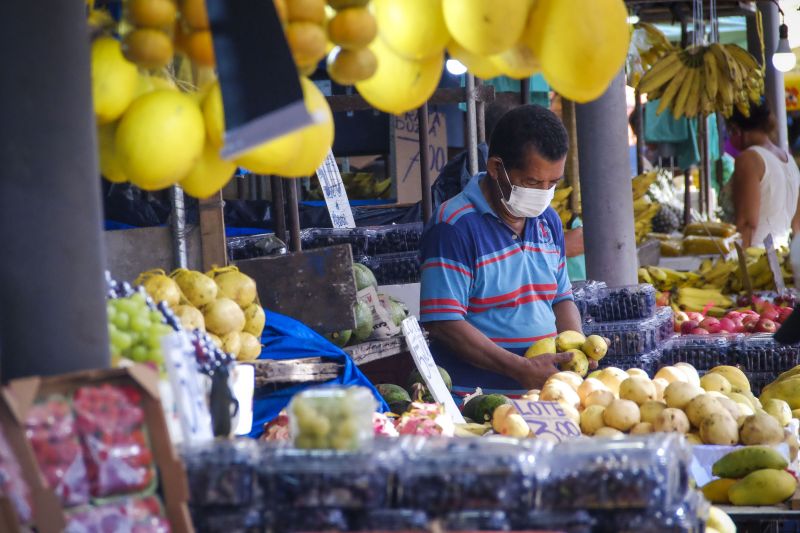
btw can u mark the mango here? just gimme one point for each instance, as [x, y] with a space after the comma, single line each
[763, 487]
[717, 490]
[736, 377]
[743, 461]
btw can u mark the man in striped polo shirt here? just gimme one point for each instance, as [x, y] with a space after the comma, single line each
[494, 277]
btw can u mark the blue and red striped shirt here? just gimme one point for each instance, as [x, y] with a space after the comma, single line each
[476, 268]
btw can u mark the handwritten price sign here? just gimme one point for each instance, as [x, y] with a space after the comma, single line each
[547, 420]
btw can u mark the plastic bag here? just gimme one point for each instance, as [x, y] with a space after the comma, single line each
[12, 485]
[696, 245]
[137, 515]
[110, 422]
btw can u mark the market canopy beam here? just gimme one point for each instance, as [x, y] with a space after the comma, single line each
[53, 317]
[442, 96]
[665, 11]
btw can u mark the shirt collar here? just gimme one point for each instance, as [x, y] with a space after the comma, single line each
[474, 194]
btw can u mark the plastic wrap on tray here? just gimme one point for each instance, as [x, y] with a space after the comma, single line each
[12, 484]
[696, 245]
[631, 302]
[649, 362]
[628, 337]
[394, 238]
[311, 479]
[407, 520]
[445, 475]
[671, 247]
[636, 473]
[566, 521]
[110, 422]
[253, 246]
[357, 238]
[701, 351]
[52, 432]
[222, 473]
[688, 516]
[760, 353]
[665, 318]
[394, 269]
[338, 418]
[477, 521]
[714, 229]
[134, 515]
[583, 293]
[311, 520]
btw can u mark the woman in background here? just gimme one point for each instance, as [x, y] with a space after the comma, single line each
[766, 180]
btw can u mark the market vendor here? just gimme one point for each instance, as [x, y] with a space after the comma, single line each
[494, 276]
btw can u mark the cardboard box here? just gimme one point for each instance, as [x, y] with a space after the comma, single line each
[171, 473]
[47, 514]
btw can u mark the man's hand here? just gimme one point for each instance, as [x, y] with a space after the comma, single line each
[535, 371]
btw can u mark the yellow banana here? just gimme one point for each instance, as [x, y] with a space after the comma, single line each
[661, 72]
[683, 95]
[711, 74]
[672, 90]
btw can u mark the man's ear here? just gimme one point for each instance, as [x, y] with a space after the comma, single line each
[493, 165]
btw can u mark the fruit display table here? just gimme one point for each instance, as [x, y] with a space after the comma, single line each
[765, 519]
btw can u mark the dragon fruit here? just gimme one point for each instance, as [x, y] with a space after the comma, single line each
[383, 426]
[425, 419]
[278, 428]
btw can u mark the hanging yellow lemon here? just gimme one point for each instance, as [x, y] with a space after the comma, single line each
[159, 139]
[414, 29]
[486, 26]
[214, 116]
[209, 175]
[581, 44]
[317, 138]
[109, 166]
[517, 62]
[114, 80]
[299, 153]
[479, 65]
[400, 84]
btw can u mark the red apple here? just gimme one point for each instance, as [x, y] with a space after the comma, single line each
[739, 326]
[694, 315]
[679, 318]
[750, 319]
[714, 328]
[785, 312]
[709, 322]
[662, 298]
[699, 331]
[770, 312]
[734, 315]
[726, 324]
[766, 326]
[688, 326]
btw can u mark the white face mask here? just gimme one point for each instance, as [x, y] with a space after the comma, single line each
[524, 202]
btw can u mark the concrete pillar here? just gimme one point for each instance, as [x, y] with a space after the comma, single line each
[774, 89]
[52, 284]
[605, 178]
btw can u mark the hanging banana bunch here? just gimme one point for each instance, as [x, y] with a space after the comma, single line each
[648, 45]
[701, 80]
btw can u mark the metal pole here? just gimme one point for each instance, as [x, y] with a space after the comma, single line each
[424, 163]
[177, 223]
[774, 89]
[472, 133]
[480, 115]
[294, 215]
[605, 177]
[572, 169]
[50, 214]
[525, 91]
[278, 208]
[687, 196]
[701, 167]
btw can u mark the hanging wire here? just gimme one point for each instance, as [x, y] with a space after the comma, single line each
[714, 18]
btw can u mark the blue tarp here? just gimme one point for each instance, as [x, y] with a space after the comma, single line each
[286, 338]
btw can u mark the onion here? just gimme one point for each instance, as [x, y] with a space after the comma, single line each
[254, 319]
[234, 285]
[223, 316]
[160, 287]
[251, 348]
[198, 288]
[190, 317]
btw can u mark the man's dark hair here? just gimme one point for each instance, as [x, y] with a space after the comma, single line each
[760, 118]
[526, 127]
[494, 112]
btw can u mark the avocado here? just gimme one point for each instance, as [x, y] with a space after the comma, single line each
[339, 338]
[395, 396]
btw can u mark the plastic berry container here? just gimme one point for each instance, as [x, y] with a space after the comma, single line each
[703, 352]
[408, 520]
[628, 337]
[227, 520]
[110, 422]
[636, 473]
[357, 238]
[338, 418]
[665, 318]
[569, 521]
[395, 268]
[223, 473]
[312, 520]
[53, 434]
[134, 515]
[631, 302]
[395, 238]
[649, 362]
[468, 521]
[760, 353]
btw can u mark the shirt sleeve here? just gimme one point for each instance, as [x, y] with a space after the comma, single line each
[564, 291]
[446, 274]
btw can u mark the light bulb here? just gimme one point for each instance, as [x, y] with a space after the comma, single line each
[633, 19]
[455, 67]
[783, 59]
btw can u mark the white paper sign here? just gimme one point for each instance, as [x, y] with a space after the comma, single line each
[547, 420]
[187, 388]
[335, 194]
[427, 367]
[382, 324]
[242, 383]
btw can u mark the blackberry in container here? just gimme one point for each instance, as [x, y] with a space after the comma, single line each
[394, 269]
[408, 520]
[628, 337]
[477, 521]
[631, 302]
[703, 352]
[649, 362]
[223, 474]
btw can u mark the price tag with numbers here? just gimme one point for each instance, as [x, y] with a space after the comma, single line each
[330, 179]
[547, 420]
[421, 354]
